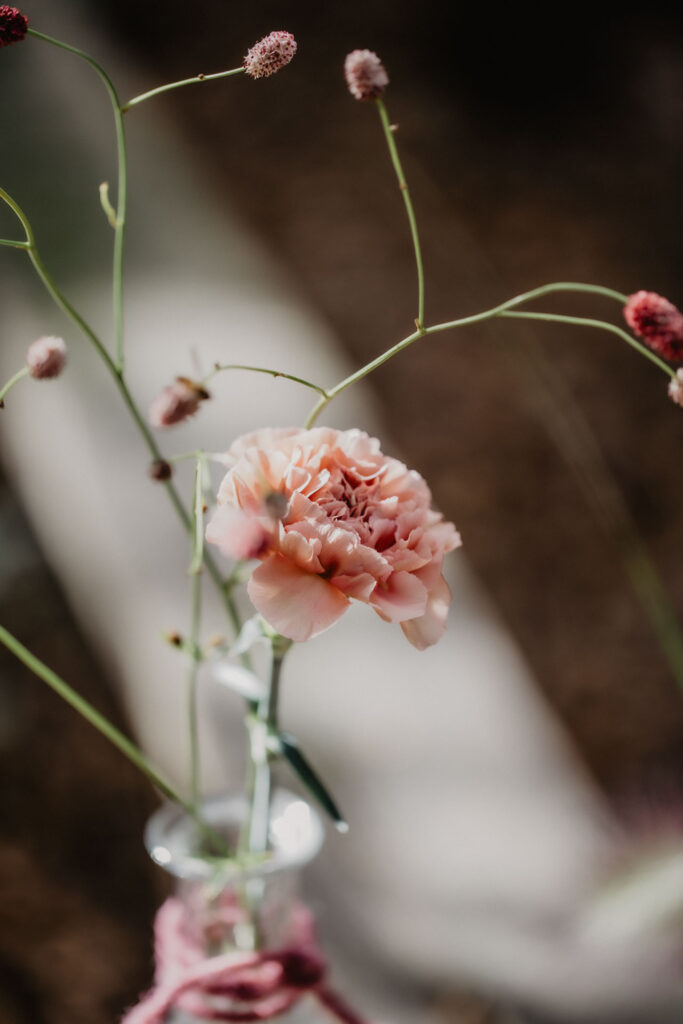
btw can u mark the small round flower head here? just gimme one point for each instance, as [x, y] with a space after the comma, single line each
[657, 322]
[676, 388]
[270, 54]
[160, 470]
[176, 403]
[13, 25]
[46, 357]
[365, 75]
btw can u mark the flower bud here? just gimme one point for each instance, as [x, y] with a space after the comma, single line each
[13, 25]
[365, 75]
[160, 470]
[676, 388]
[270, 54]
[46, 357]
[177, 402]
[657, 322]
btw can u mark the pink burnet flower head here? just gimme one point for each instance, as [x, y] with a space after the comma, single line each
[676, 388]
[365, 75]
[352, 523]
[46, 358]
[177, 402]
[658, 322]
[270, 54]
[13, 25]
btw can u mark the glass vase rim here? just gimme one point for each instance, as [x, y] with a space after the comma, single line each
[296, 835]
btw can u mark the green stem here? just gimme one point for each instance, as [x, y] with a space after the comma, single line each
[488, 314]
[13, 244]
[87, 711]
[582, 321]
[403, 187]
[122, 193]
[62, 302]
[19, 375]
[262, 369]
[195, 623]
[196, 80]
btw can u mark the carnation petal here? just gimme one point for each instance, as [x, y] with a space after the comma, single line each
[296, 603]
[402, 596]
[428, 629]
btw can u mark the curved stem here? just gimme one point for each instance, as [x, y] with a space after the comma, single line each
[403, 187]
[583, 321]
[60, 300]
[487, 314]
[87, 711]
[197, 79]
[262, 369]
[122, 193]
[11, 243]
[19, 375]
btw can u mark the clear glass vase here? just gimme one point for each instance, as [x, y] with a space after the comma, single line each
[215, 906]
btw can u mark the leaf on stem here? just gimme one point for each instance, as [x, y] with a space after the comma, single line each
[289, 748]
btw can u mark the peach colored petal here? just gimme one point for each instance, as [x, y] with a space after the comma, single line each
[235, 534]
[426, 630]
[296, 603]
[403, 596]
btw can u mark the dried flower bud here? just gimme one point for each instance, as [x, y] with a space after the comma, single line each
[676, 388]
[160, 469]
[174, 638]
[657, 322]
[365, 75]
[13, 25]
[46, 357]
[177, 402]
[270, 54]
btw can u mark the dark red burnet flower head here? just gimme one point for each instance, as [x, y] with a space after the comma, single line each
[13, 25]
[658, 322]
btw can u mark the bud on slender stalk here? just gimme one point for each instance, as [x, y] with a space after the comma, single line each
[177, 402]
[13, 25]
[676, 388]
[160, 470]
[658, 322]
[365, 75]
[46, 358]
[270, 54]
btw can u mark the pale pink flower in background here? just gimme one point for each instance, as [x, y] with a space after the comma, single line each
[177, 402]
[354, 523]
[365, 75]
[270, 54]
[46, 358]
[676, 388]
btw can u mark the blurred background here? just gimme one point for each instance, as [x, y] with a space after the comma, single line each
[535, 152]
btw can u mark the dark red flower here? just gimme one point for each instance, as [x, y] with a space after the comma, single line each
[13, 25]
[658, 322]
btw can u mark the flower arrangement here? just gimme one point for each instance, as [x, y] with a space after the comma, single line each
[311, 518]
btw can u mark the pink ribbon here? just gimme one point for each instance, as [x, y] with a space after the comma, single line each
[268, 982]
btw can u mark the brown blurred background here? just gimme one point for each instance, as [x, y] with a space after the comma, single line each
[535, 152]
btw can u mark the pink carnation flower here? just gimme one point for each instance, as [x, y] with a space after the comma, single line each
[354, 523]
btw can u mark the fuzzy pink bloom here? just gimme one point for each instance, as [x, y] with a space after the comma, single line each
[365, 75]
[657, 322]
[176, 403]
[676, 388]
[13, 25]
[270, 54]
[46, 358]
[357, 524]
